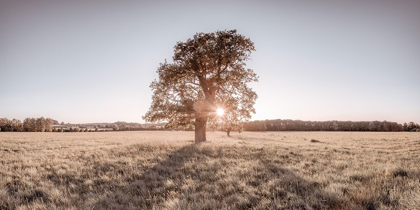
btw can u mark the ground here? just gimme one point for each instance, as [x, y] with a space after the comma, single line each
[250, 170]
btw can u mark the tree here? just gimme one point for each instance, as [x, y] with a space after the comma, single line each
[208, 72]
[230, 121]
[233, 121]
[17, 125]
[30, 124]
[48, 124]
[27, 124]
[5, 124]
[41, 124]
[114, 127]
[412, 126]
[33, 124]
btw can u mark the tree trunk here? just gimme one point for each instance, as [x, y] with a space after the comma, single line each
[200, 129]
[228, 132]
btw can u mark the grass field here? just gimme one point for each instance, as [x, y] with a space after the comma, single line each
[165, 170]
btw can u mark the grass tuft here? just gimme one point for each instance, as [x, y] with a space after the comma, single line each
[399, 172]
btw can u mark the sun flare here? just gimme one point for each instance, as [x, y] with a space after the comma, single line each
[220, 111]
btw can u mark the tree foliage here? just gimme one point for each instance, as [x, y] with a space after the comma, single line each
[299, 125]
[29, 125]
[208, 72]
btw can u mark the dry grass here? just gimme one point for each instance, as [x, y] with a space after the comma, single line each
[163, 170]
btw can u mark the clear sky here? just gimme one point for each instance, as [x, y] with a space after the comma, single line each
[92, 61]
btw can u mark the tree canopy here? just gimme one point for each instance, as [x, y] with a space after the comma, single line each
[208, 72]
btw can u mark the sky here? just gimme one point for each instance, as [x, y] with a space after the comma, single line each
[92, 61]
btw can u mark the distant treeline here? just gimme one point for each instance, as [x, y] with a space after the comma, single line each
[299, 125]
[28, 125]
[42, 124]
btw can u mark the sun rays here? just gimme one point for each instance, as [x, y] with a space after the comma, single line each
[220, 112]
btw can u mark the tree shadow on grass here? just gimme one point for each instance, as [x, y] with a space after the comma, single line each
[211, 177]
[147, 190]
[150, 189]
[286, 189]
[241, 177]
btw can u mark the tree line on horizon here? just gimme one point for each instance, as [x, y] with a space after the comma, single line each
[30, 124]
[334, 125]
[43, 124]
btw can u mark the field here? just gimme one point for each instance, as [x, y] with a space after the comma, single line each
[251, 170]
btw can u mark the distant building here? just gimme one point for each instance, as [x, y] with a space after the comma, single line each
[64, 127]
[82, 128]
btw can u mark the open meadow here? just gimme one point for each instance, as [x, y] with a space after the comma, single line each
[250, 170]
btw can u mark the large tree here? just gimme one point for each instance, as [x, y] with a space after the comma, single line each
[208, 73]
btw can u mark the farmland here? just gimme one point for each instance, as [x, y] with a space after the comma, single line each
[250, 170]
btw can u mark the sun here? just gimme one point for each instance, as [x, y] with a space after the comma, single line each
[220, 111]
